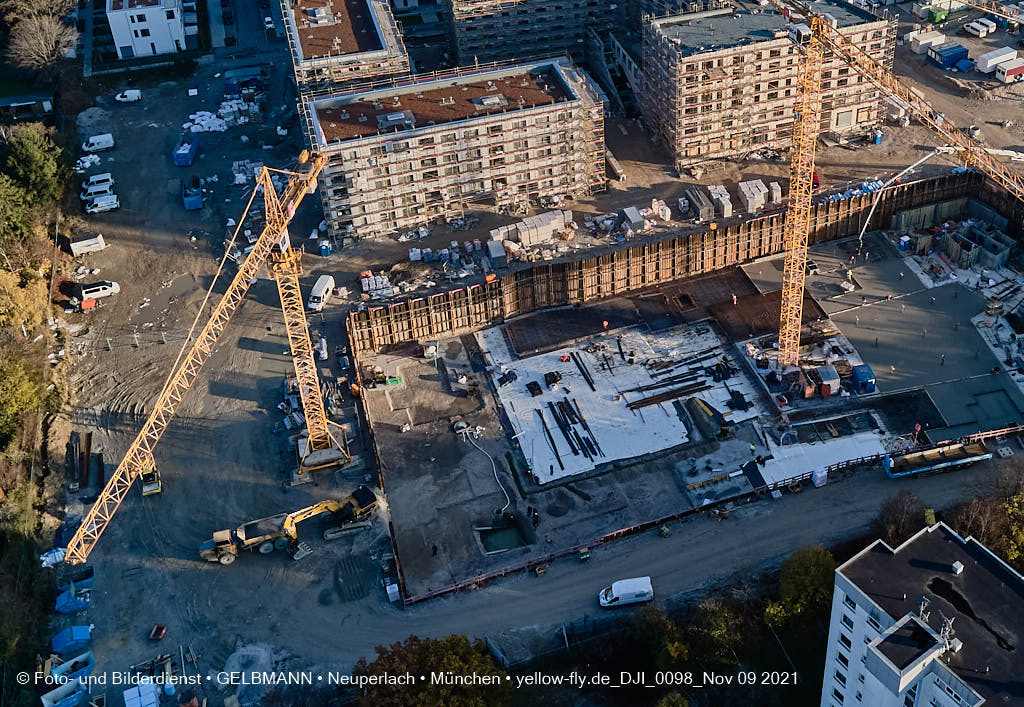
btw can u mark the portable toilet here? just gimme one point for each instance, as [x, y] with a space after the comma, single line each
[863, 379]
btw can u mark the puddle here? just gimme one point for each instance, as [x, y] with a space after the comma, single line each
[500, 539]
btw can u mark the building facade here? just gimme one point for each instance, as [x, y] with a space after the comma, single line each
[932, 623]
[505, 30]
[721, 83]
[146, 27]
[337, 44]
[403, 156]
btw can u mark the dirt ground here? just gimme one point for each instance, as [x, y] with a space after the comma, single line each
[225, 459]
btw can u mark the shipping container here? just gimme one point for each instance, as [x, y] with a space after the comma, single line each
[987, 62]
[1010, 71]
[947, 54]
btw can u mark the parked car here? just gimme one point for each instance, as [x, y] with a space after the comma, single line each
[129, 96]
[626, 591]
[97, 143]
[268, 23]
[98, 289]
[97, 190]
[95, 180]
[102, 203]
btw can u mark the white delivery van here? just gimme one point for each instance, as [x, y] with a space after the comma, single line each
[988, 24]
[98, 289]
[97, 179]
[101, 204]
[129, 95]
[321, 293]
[98, 142]
[626, 591]
[97, 190]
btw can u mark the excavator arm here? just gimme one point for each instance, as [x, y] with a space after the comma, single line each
[293, 519]
[139, 457]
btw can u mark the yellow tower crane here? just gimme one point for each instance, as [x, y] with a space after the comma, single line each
[816, 37]
[273, 250]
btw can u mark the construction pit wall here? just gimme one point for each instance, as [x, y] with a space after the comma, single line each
[337, 44]
[408, 154]
[629, 267]
[723, 83]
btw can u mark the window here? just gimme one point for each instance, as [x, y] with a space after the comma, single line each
[845, 641]
[135, 32]
[860, 697]
[170, 14]
[140, 18]
[841, 679]
[837, 694]
[850, 603]
[847, 622]
[144, 32]
[132, 18]
[874, 624]
[842, 660]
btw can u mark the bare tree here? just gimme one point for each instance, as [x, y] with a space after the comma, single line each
[901, 516]
[982, 518]
[39, 41]
[15, 11]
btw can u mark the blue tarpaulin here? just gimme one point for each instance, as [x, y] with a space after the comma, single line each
[71, 639]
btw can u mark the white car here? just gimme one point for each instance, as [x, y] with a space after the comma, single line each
[129, 96]
[268, 23]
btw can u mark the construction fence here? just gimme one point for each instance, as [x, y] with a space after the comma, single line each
[634, 266]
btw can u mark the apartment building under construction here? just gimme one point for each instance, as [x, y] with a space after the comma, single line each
[339, 43]
[722, 83]
[503, 30]
[403, 156]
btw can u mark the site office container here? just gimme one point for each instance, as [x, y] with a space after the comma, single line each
[987, 62]
[1010, 71]
[947, 54]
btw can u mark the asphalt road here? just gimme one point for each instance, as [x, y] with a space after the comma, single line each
[701, 555]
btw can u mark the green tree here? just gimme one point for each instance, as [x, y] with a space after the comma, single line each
[659, 637]
[901, 516]
[454, 655]
[15, 217]
[805, 585]
[20, 392]
[34, 162]
[715, 632]
[673, 699]
[1014, 510]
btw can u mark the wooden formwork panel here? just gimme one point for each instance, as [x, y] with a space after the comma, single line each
[639, 266]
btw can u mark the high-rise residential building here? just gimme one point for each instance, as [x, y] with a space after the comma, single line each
[721, 83]
[401, 156]
[935, 622]
[146, 27]
[503, 30]
[341, 43]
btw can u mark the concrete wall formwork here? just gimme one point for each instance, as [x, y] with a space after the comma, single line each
[638, 266]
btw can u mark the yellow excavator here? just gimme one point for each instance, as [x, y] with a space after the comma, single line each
[279, 532]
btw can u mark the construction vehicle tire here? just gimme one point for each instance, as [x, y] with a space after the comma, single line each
[281, 544]
[227, 558]
[266, 547]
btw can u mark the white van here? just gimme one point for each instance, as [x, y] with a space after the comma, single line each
[988, 24]
[101, 204]
[321, 293]
[626, 591]
[98, 289]
[98, 142]
[97, 190]
[97, 179]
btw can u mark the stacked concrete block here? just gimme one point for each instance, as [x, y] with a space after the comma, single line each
[534, 229]
[775, 189]
[753, 194]
[723, 202]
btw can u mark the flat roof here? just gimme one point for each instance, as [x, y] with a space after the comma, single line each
[714, 30]
[986, 601]
[417, 104]
[907, 643]
[335, 27]
[132, 4]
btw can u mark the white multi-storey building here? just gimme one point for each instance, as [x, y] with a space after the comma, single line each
[146, 27]
[404, 155]
[935, 622]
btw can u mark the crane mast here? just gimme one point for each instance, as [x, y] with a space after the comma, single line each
[823, 38]
[272, 248]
